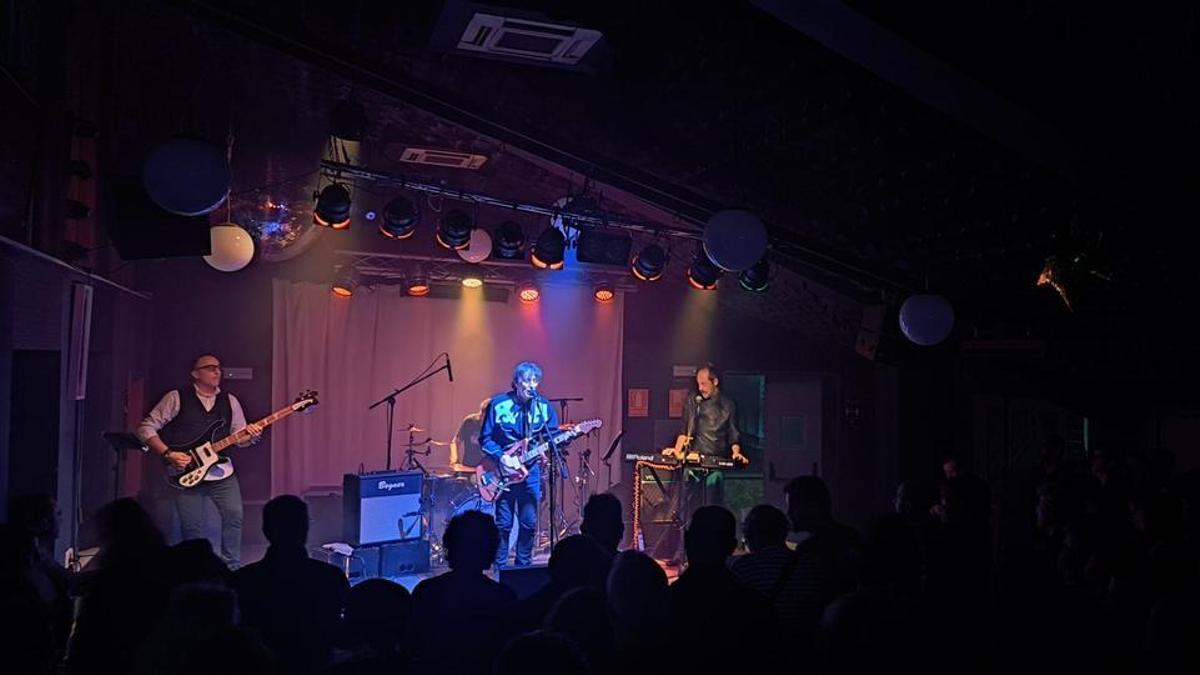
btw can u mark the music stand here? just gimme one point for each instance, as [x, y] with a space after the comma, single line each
[612, 447]
[118, 441]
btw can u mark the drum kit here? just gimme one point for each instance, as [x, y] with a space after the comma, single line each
[446, 490]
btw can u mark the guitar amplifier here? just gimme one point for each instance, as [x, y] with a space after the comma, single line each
[381, 507]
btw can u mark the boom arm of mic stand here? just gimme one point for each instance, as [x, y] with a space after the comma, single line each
[410, 385]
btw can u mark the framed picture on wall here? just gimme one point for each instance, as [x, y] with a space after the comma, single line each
[675, 402]
[639, 402]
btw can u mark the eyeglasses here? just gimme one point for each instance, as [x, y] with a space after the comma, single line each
[212, 367]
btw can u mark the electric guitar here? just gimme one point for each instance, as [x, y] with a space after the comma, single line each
[205, 452]
[495, 477]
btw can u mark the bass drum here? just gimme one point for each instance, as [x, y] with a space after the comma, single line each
[472, 502]
[447, 497]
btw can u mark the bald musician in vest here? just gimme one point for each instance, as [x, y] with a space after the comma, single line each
[182, 415]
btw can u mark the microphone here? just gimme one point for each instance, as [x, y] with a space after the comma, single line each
[449, 370]
[699, 398]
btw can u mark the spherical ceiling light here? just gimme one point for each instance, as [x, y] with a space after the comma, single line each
[926, 319]
[734, 239]
[187, 176]
[478, 248]
[649, 263]
[232, 247]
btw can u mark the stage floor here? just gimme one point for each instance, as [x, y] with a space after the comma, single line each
[409, 581]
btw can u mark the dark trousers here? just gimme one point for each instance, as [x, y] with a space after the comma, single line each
[226, 495]
[522, 500]
[705, 488]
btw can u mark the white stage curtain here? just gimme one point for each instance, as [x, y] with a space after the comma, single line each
[355, 350]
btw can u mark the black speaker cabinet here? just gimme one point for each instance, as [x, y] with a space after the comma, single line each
[381, 507]
[406, 557]
[525, 581]
[390, 560]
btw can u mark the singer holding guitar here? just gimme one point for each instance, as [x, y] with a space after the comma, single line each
[512, 416]
[709, 428]
[178, 418]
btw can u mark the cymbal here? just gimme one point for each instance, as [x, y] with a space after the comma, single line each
[413, 427]
[427, 441]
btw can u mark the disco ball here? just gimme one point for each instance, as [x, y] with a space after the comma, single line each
[283, 227]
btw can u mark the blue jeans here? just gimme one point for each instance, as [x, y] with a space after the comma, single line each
[521, 499]
[226, 495]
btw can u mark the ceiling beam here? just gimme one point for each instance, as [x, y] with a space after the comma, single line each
[890, 57]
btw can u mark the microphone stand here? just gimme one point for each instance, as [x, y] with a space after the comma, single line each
[390, 399]
[564, 472]
[682, 501]
[554, 460]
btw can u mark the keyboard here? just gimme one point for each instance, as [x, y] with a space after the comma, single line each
[693, 459]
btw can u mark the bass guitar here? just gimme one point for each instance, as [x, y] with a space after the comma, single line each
[205, 452]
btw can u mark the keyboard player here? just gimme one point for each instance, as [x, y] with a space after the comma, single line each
[709, 428]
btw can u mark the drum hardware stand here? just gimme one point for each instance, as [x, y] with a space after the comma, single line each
[583, 484]
[411, 463]
[558, 472]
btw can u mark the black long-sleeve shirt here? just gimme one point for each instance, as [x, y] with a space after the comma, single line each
[715, 431]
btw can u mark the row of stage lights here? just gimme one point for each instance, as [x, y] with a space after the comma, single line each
[455, 229]
[347, 280]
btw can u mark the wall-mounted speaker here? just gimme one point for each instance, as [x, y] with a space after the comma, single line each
[80, 339]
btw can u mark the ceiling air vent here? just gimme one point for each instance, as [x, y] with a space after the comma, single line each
[446, 158]
[522, 38]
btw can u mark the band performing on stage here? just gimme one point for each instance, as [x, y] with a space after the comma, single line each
[498, 461]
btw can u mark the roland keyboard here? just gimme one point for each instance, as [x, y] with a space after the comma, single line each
[693, 459]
